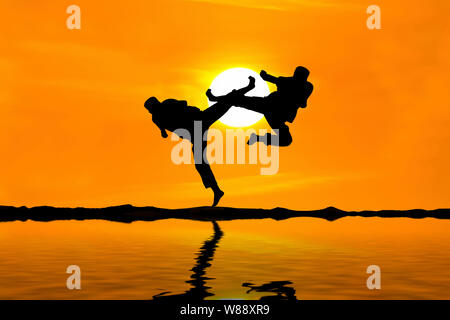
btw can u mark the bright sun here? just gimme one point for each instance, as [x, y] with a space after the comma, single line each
[237, 78]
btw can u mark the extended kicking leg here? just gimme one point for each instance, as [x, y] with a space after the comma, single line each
[239, 99]
[224, 103]
[233, 93]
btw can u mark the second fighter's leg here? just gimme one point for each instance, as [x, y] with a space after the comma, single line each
[282, 138]
[266, 138]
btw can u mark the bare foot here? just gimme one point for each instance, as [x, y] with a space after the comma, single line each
[217, 196]
[210, 95]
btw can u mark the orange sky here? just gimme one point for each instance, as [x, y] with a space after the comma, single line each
[74, 131]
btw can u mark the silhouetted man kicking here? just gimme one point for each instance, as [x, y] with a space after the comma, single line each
[174, 114]
[279, 107]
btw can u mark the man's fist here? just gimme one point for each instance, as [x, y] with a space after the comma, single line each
[263, 73]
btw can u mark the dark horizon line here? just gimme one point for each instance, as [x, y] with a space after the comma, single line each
[128, 213]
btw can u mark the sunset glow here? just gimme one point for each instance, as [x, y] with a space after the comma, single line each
[74, 131]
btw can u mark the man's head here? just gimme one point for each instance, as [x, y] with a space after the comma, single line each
[151, 104]
[301, 73]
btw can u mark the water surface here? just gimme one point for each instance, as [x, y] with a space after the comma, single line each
[302, 258]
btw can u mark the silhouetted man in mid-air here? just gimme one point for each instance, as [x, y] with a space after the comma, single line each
[174, 114]
[279, 107]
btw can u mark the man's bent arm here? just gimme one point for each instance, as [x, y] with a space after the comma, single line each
[269, 78]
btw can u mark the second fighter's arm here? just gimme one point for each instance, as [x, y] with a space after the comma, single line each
[267, 77]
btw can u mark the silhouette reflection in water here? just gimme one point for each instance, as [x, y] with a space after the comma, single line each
[199, 290]
[278, 287]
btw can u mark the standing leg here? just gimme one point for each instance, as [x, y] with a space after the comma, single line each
[208, 179]
[207, 118]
